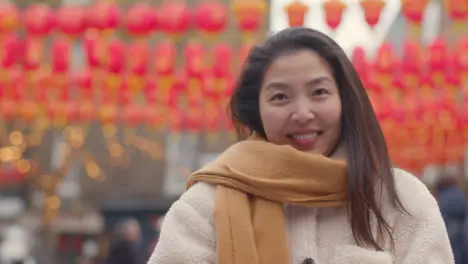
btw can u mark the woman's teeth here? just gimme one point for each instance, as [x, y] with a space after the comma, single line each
[305, 136]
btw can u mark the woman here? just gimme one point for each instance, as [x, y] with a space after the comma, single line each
[314, 183]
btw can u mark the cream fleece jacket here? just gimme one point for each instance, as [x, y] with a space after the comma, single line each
[322, 234]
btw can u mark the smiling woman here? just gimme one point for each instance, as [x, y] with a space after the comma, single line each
[312, 182]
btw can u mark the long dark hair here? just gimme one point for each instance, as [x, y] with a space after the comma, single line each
[368, 158]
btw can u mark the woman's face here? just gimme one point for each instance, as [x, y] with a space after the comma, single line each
[300, 103]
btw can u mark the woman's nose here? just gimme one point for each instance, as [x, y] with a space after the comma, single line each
[302, 115]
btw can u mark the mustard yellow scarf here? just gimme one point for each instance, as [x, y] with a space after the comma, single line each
[254, 179]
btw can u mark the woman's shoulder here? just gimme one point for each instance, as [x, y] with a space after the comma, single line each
[412, 192]
[200, 197]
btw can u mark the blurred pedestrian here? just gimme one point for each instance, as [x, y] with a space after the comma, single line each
[125, 248]
[454, 212]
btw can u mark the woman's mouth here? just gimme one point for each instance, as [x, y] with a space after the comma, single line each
[304, 140]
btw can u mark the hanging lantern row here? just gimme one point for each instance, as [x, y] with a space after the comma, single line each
[421, 101]
[173, 18]
[334, 10]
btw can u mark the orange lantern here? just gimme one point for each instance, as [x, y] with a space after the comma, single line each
[211, 17]
[296, 11]
[372, 11]
[249, 15]
[140, 19]
[39, 20]
[175, 18]
[9, 18]
[413, 10]
[334, 10]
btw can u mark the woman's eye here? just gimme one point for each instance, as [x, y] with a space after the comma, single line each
[320, 92]
[277, 97]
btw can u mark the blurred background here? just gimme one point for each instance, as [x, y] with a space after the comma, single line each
[107, 106]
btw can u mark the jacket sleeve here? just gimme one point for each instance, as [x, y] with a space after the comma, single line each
[421, 236]
[187, 233]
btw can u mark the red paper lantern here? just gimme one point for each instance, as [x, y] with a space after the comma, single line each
[194, 60]
[165, 55]
[10, 52]
[222, 63]
[411, 61]
[70, 20]
[104, 16]
[334, 10]
[360, 63]
[9, 18]
[117, 56]
[211, 17]
[437, 56]
[33, 54]
[457, 9]
[460, 56]
[413, 10]
[385, 60]
[297, 12]
[39, 20]
[372, 11]
[176, 18]
[138, 61]
[91, 42]
[60, 56]
[140, 19]
[249, 15]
